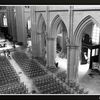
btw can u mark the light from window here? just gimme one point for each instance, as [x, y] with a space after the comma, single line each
[93, 52]
[29, 24]
[60, 34]
[97, 51]
[5, 21]
[95, 34]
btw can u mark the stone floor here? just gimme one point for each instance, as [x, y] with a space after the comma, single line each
[92, 84]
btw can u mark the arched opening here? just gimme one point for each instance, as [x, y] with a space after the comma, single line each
[41, 39]
[61, 49]
[5, 21]
[86, 45]
[28, 32]
[88, 40]
[3, 25]
[28, 26]
[59, 33]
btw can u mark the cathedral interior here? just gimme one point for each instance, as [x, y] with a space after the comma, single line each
[50, 49]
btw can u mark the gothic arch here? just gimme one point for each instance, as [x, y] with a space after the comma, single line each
[80, 28]
[41, 24]
[58, 26]
[41, 38]
[54, 25]
[28, 18]
[78, 37]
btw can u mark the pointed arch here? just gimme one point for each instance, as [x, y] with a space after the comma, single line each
[41, 25]
[41, 36]
[81, 26]
[28, 18]
[54, 25]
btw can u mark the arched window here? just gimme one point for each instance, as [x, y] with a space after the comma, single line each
[29, 24]
[5, 21]
[95, 34]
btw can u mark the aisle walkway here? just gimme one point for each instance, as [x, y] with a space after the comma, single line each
[23, 77]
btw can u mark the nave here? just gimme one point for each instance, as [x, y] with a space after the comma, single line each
[49, 50]
[37, 79]
[25, 75]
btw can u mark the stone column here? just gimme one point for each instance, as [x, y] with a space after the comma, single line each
[64, 49]
[47, 35]
[50, 51]
[73, 52]
[43, 45]
[99, 50]
[1, 19]
[39, 40]
[9, 20]
[12, 23]
[20, 23]
[50, 42]
[33, 31]
[40, 44]
[72, 66]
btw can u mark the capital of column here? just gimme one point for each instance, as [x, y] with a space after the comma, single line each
[51, 38]
[73, 46]
[38, 33]
[10, 8]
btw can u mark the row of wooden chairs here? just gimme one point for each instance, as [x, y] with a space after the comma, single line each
[62, 75]
[76, 87]
[7, 73]
[41, 60]
[49, 85]
[31, 68]
[52, 69]
[14, 88]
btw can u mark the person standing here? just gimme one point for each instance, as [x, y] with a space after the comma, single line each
[4, 52]
[8, 54]
[56, 64]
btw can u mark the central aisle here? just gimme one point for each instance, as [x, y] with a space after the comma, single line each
[21, 74]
